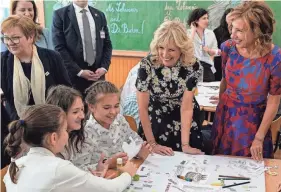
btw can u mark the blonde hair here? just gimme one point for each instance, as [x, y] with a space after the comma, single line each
[27, 26]
[260, 20]
[173, 31]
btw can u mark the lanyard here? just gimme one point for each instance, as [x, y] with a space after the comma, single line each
[203, 39]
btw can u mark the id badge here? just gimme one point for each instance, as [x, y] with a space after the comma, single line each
[102, 34]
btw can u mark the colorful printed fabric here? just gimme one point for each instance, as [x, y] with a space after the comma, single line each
[242, 106]
[166, 86]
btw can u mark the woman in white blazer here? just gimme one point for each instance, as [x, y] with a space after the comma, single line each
[44, 127]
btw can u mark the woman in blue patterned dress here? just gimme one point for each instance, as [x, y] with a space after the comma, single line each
[165, 83]
[251, 85]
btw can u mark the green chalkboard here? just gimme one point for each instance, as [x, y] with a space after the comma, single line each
[132, 23]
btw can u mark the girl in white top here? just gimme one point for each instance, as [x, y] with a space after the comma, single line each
[44, 127]
[107, 130]
[204, 41]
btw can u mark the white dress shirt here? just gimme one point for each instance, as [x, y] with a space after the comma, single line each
[210, 42]
[41, 171]
[130, 84]
[101, 140]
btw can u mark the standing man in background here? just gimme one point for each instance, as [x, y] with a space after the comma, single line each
[80, 35]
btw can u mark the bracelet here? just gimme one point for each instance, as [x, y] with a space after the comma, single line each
[151, 141]
[153, 145]
[184, 144]
[259, 139]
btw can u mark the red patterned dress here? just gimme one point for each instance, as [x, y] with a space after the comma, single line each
[242, 106]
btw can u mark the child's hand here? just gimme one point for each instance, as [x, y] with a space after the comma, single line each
[113, 159]
[130, 168]
[145, 150]
[102, 167]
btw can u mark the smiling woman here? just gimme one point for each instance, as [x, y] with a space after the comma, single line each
[27, 70]
[29, 9]
[251, 85]
[166, 79]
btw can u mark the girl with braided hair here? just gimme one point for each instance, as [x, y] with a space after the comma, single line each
[106, 129]
[44, 128]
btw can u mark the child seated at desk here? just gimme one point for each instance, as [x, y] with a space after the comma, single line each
[106, 128]
[44, 128]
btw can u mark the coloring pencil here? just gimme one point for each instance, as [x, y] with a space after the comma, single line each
[234, 176]
[236, 184]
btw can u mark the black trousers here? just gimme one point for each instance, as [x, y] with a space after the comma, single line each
[208, 75]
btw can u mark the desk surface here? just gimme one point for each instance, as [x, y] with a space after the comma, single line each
[270, 181]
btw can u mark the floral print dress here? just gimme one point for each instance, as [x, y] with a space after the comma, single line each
[166, 86]
[241, 107]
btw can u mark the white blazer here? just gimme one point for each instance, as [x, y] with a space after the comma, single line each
[41, 171]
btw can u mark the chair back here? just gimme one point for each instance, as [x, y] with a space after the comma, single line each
[275, 127]
[131, 122]
[3, 173]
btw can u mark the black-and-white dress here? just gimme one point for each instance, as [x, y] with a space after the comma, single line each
[166, 86]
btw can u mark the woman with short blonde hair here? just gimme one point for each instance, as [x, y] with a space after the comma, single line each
[175, 31]
[251, 85]
[165, 83]
[27, 70]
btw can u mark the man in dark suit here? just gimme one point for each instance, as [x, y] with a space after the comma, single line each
[80, 35]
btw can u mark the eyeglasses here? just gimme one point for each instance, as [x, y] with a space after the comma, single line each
[14, 40]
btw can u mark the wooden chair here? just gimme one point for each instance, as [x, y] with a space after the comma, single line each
[3, 173]
[131, 122]
[275, 127]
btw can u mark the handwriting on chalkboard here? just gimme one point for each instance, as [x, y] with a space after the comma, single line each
[126, 28]
[121, 8]
[116, 25]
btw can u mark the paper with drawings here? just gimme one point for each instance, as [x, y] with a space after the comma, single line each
[159, 173]
[204, 101]
[132, 149]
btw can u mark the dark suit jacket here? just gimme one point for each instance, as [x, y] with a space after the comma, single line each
[52, 63]
[67, 40]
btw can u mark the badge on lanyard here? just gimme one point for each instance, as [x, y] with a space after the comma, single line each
[102, 34]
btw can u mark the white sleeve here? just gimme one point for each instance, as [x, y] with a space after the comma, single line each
[71, 179]
[214, 42]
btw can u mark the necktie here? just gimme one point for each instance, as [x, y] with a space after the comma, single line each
[89, 49]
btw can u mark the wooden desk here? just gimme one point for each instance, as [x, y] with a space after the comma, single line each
[209, 110]
[270, 181]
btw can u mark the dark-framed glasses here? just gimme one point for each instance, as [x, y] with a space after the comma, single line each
[14, 40]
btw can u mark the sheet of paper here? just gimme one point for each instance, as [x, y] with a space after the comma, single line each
[210, 84]
[131, 149]
[208, 90]
[159, 173]
[204, 101]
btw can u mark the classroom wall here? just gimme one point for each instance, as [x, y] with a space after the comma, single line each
[123, 61]
[119, 69]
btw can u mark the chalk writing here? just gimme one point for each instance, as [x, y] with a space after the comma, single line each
[120, 7]
[126, 28]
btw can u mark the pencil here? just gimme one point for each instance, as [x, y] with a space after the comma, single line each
[234, 176]
[229, 178]
[236, 184]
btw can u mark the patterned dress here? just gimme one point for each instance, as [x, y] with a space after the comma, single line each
[166, 86]
[242, 106]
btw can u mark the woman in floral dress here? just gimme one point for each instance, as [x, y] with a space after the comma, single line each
[166, 79]
[251, 85]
